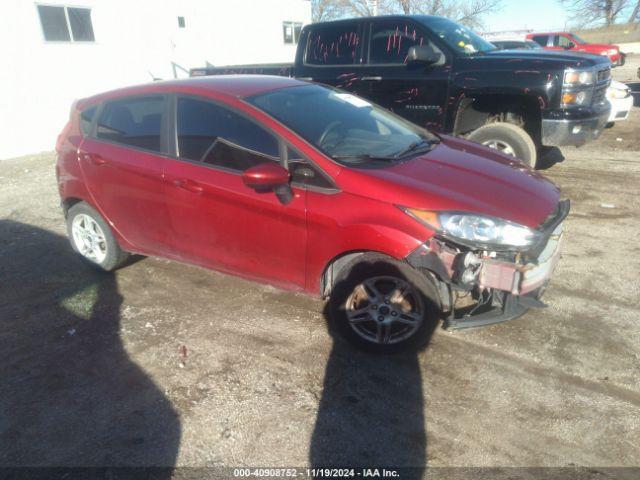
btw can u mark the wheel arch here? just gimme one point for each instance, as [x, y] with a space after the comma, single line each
[480, 109]
[69, 202]
[337, 264]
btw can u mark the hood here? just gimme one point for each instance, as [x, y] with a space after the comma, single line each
[463, 176]
[562, 58]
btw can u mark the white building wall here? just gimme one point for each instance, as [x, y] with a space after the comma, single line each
[134, 42]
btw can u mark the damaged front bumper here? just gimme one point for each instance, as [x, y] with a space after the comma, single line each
[504, 284]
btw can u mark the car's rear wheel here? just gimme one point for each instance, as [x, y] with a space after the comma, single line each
[508, 139]
[91, 237]
[383, 305]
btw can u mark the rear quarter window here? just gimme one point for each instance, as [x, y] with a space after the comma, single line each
[334, 45]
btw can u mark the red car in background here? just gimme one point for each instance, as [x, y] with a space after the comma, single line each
[572, 42]
[311, 189]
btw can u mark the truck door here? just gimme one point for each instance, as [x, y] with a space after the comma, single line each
[415, 92]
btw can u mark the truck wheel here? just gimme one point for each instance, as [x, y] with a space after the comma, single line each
[382, 305]
[91, 237]
[507, 138]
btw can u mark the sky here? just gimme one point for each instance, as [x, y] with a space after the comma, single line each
[527, 14]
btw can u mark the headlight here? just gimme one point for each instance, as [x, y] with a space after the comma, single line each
[616, 93]
[469, 228]
[576, 98]
[576, 78]
[613, 51]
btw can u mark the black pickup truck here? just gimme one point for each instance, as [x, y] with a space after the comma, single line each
[444, 77]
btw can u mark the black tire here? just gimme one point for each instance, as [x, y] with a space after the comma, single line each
[114, 256]
[510, 135]
[380, 268]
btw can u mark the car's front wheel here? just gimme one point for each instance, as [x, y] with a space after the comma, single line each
[91, 237]
[384, 305]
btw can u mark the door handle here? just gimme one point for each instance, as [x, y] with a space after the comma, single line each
[371, 79]
[94, 158]
[189, 185]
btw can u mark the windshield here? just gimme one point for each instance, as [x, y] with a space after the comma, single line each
[458, 37]
[577, 39]
[347, 128]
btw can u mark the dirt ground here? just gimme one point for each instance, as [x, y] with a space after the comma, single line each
[169, 364]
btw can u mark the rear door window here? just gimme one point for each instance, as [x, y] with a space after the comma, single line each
[391, 40]
[337, 44]
[212, 134]
[540, 40]
[135, 122]
[561, 41]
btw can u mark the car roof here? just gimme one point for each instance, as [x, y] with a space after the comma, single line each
[238, 86]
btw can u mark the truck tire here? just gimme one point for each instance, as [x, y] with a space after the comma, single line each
[382, 305]
[507, 138]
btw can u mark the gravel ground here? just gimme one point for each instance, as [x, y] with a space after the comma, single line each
[169, 364]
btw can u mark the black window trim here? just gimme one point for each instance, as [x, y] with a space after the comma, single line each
[423, 28]
[64, 7]
[163, 124]
[94, 120]
[283, 145]
[358, 61]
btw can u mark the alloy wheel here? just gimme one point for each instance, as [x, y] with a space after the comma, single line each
[384, 310]
[500, 146]
[89, 238]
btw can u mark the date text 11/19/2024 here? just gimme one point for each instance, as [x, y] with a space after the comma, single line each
[316, 473]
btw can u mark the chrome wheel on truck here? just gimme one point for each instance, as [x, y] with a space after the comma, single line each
[500, 146]
[508, 139]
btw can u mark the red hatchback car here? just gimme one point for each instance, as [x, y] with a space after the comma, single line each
[311, 189]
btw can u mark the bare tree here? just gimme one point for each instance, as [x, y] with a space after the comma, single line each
[362, 8]
[586, 12]
[322, 10]
[469, 12]
[635, 15]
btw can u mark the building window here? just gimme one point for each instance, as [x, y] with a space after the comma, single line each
[66, 24]
[181, 23]
[291, 31]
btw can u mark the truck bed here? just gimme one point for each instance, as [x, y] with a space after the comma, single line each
[279, 69]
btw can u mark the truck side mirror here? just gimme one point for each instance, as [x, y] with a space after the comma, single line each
[423, 54]
[570, 45]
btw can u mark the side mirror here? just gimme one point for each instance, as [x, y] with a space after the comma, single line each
[570, 45]
[265, 177]
[423, 54]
